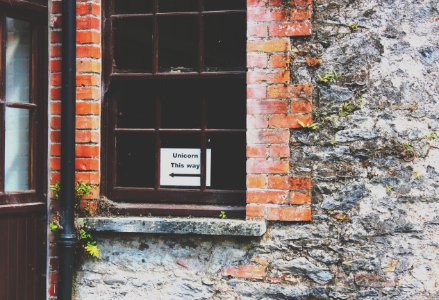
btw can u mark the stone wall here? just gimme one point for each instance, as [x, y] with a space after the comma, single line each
[374, 164]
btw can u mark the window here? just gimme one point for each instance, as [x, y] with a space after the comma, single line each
[175, 106]
[21, 109]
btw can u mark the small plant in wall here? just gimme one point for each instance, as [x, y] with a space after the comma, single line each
[87, 245]
[329, 77]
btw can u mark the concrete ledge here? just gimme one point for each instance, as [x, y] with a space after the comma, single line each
[200, 226]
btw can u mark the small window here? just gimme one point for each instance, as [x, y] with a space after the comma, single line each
[176, 100]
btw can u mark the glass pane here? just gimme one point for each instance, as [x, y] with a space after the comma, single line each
[224, 4]
[178, 44]
[225, 37]
[133, 6]
[227, 161]
[178, 5]
[17, 151]
[18, 58]
[135, 104]
[181, 104]
[135, 160]
[226, 98]
[133, 44]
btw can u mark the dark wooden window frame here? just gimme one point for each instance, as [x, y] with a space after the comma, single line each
[157, 200]
[36, 14]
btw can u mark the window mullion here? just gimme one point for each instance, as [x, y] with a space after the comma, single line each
[155, 38]
[200, 36]
[158, 142]
[203, 143]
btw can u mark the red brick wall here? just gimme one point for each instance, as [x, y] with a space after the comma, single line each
[274, 106]
[88, 107]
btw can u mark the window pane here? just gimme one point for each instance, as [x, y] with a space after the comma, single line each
[133, 6]
[178, 39]
[135, 104]
[225, 37]
[226, 98]
[133, 44]
[227, 160]
[17, 151]
[224, 4]
[18, 57]
[135, 160]
[178, 5]
[181, 104]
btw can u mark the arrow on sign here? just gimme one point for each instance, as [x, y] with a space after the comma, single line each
[184, 175]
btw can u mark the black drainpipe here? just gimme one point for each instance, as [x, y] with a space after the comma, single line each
[67, 241]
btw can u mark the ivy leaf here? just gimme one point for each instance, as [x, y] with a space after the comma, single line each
[92, 249]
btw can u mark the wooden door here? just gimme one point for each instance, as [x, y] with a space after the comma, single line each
[23, 143]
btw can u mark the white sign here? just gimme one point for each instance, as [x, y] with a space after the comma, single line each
[182, 167]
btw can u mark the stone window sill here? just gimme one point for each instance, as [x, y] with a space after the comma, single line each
[160, 225]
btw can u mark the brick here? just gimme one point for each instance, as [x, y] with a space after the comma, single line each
[272, 45]
[312, 61]
[256, 181]
[254, 211]
[256, 151]
[87, 151]
[256, 3]
[268, 136]
[87, 164]
[278, 182]
[279, 151]
[257, 60]
[290, 29]
[245, 271]
[87, 79]
[258, 166]
[279, 60]
[257, 30]
[256, 122]
[299, 198]
[88, 93]
[266, 14]
[292, 3]
[301, 106]
[83, 51]
[299, 183]
[87, 122]
[89, 66]
[55, 51]
[267, 107]
[303, 91]
[91, 177]
[300, 14]
[55, 79]
[267, 197]
[284, 213]
[88, 9]
[256, 92]
[289, 121]
[87, 23]
[88, 37]
[282, 76]
[55, 65]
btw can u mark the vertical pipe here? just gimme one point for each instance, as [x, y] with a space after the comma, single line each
[67, 239]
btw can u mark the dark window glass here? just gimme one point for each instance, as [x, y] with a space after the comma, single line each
[178, 5]
[178, 39]
[135, 160]
[226, 106]
[135, 104]
[228, 162]
[180, 104]
[225, 4]
[133, 44]
[225, 45]
[133, 6]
